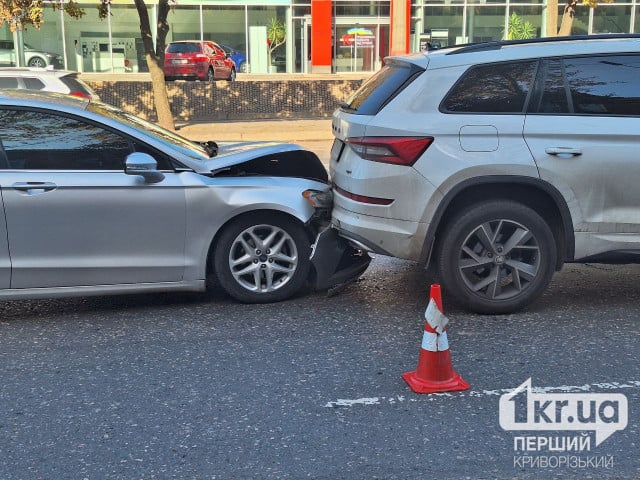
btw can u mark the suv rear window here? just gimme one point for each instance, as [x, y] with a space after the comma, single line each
[381, 87]
[183, 48]
[493, 88]
[77, 86]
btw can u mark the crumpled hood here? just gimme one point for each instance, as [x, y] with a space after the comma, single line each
[235, 153]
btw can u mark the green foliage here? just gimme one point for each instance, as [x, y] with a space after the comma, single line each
[276, 34]
[520, 29]
[30, 13]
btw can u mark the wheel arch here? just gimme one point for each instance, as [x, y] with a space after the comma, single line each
[534, 193]
[241, 215]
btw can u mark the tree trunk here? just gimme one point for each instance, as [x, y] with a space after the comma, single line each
[160, 97]
[552, 18]
[162, 30]
[567, 18]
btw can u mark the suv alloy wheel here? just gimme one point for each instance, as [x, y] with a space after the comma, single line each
[497, 256]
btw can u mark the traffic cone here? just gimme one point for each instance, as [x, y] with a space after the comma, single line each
[435, 372]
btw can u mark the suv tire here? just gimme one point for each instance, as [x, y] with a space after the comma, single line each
[496, 257]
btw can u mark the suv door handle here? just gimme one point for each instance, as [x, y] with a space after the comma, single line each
[34, 188]
[563, 152]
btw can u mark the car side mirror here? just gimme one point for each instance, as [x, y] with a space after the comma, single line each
[145, 165]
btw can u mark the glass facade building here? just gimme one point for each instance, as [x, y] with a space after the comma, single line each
[336, 36]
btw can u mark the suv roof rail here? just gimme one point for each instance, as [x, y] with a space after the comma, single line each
[498, 44]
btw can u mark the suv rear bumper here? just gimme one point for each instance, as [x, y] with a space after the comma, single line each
[396, 238]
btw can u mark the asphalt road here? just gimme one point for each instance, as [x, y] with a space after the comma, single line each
[198, 386]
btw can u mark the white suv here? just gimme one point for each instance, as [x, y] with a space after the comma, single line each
[45, 79]
[495, 163]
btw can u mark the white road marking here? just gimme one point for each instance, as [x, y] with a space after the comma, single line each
[359, 401]
[631, 384]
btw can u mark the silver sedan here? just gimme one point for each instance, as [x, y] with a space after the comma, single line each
[98, 201]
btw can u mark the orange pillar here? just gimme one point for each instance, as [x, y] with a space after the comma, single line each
[400, 27]
[321, 38]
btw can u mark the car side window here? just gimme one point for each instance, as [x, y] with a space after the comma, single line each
[597, 85]
[164, 162]
[8, 82]
[554, 97]
[493, 88]
[44, 141]
[33, 83]
[604, 85]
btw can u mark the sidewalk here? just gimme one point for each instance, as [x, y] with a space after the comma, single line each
[283, 130]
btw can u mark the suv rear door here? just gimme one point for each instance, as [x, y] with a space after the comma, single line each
[583, 132]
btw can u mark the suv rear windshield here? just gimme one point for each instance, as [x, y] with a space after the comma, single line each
[381, 87]
[183, 48]
[76, 85]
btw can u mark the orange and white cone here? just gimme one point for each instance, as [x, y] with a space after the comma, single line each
[435, 372]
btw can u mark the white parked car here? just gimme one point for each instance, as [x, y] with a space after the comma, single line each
[32, 56]
[46, 79]
[495, 163]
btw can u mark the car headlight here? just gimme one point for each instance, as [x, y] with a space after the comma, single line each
[319, 199]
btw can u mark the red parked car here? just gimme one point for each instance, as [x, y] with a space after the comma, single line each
[196, 60]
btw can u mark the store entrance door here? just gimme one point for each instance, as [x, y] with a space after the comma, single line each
[302, 44]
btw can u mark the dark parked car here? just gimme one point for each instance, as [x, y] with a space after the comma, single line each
[196, 60]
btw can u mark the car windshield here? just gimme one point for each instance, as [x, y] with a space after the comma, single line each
[185, 146]
[183, 48]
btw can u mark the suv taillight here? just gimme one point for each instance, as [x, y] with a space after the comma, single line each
[396, 150]
[80, 94]
[201, 57]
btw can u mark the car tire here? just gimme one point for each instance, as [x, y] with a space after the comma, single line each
[37, 62]
[232, 75]
[210, 75]
[242, 68]
[496, 257]
[255, 272]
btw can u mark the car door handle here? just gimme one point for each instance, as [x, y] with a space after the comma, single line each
[563, 152]
[34, 188]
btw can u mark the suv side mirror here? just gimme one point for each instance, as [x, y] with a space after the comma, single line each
[145, 165]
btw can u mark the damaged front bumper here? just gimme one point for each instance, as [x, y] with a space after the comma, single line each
[335, 260]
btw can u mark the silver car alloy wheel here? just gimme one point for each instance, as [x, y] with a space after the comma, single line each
[263, 258]
[37, 62]
[499, 259]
